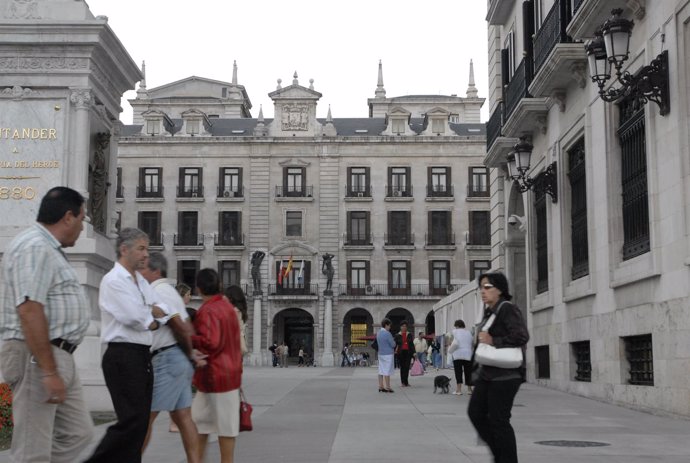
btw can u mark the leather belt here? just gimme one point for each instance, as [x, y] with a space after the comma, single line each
[64, 345]
[158, 351]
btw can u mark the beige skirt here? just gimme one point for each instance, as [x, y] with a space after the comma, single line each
[217, 413]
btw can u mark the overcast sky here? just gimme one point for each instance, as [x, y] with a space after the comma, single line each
[425, 46]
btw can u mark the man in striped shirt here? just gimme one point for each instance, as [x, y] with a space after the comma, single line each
[43, 318]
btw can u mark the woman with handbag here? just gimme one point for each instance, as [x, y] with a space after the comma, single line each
[502, 329]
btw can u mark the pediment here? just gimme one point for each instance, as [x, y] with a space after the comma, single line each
[294, 163]
[297, 248]
[438, 111]
[193, 113]
[153, 113]
[191, 87]
[399, 111]
[295, 92]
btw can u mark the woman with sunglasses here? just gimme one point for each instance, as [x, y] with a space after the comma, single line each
[495, 388]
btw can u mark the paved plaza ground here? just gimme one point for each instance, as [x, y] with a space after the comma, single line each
[337, 415]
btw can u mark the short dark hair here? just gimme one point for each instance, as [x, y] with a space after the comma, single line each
[57, 202]
[208, 282]
[385, 322]
[157, 261]
[235, 295]
[459, 324]
[499, 280]
[403, 323]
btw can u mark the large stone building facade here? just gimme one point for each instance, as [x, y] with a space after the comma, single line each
[397, 203]
[600, 262]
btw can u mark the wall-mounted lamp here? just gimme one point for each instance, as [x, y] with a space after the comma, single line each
[611, 47]
[518, 162]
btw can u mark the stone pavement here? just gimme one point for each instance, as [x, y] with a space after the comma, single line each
[337, 415]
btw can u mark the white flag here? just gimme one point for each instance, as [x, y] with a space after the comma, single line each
[300, 275]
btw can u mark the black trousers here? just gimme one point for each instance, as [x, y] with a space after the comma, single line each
[463, 365]
[405, 359]
[129, 377]
[489, 411]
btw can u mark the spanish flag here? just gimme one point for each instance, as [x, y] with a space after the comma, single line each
[288, 269]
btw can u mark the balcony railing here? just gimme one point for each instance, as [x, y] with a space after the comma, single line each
[294, 191]
[306, 289]
[358, 191]
[478, 191]
[149, 191]
[494, 125]
[357, 239]
[576, 5]
[190, 192]
[225, 239]
[388, 290]
[439, 191]
[188, 239]
[399, 191]
[398, 239]
[551, 33]
[227, 192]
[516, 89]
[439, 239]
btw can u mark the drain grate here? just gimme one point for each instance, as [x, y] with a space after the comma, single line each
[572, 443]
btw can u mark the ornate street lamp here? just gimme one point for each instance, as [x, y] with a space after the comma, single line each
[518, 162]
[611, 47]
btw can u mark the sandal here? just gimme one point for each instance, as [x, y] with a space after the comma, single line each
[382, 389]
[389, 390]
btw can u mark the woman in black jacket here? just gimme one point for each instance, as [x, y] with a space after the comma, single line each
[404, 347]
[495, 388]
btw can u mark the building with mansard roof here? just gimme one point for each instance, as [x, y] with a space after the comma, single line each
[593, 232]
[397, 202]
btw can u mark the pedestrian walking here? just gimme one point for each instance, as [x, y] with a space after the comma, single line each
[461, 351]
[172, 359]
[216, 406]
[420, 348]
[300, 357]
[43, 318]
[386, 347]
[404, 342]
[130, 311]
[274, 354]
[284, 353]
[495, 388]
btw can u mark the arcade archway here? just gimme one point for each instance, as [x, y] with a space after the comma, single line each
[295, 327]
[397, 315]
[357, 322]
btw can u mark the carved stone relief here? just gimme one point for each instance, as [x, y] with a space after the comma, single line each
[23, 9]
[98, 185]
[295, 117]
[17, 93]
[41, 64]
[81, 98]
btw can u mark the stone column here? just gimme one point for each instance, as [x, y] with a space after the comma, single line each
[79, 163]
[327, 355]
[255, 357]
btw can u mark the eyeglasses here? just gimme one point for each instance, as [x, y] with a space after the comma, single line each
[488, 286]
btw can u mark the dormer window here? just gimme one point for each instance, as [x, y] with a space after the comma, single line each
[398, 126]
[438, 125]
[195, 122]
[153, 127]
[193, 127]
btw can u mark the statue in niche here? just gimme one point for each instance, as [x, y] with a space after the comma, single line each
[98, 185]
[257, 258]
[327, 269]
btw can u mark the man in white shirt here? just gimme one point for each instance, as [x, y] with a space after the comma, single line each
[130, 311]
[420, 347]
[172, 359]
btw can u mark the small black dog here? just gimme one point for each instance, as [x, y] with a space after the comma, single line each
[442, 382]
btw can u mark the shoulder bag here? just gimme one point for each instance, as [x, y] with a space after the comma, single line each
[505, 357]
[245, 413]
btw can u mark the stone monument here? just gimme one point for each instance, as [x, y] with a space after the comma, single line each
[62, 74]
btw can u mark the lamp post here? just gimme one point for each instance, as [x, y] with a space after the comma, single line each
[611, 47]
[518, 162]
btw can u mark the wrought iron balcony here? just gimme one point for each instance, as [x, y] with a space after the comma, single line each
[440, 239]
[188, 239]
[516, 89]
[227, 192]
[398, 239]
[494, 125]
[357, 239]
[190, 192]
[551, 32]
[439, 191]
[478, 191]
[398, 191]
[394, 290]
[294, 191]
[149, 191]
[358, 191]
[120, 192]
[228, 239]
[305, 289]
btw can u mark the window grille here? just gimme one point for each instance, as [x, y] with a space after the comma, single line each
[542, 245]
[638, 350]
[631, 135]
[583, 361]
[578, 211]
[543, 363]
